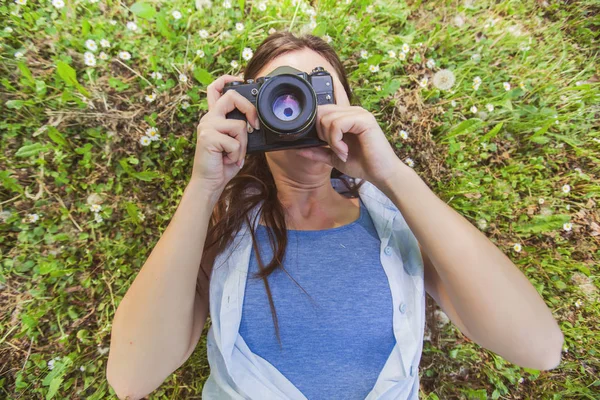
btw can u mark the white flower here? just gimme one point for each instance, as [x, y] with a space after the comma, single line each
[404, 134]
[566, 189]
[578, 303]
[234, 64]
[82, 368]
[475, 87]
[94, 1]
[104, 43]
[473, 109]
[124, 55]
[476, 57]
[444, 79]
[364, 54]
[183, 78]
[579, 83]
[103, 56]
[51, 363]
[156, 75]
[132, 26]
[567, 227]
[19, 54]
[402, 56]
[200, 53]
[8, 29]
[203, 33]
[377, 88]
[453, 103]
[58, 3]
[150, 97]
[482, 224]
[517, 247]
[262, 6]
[226, 4]
[31, 218]
[430, 63]
[272, 31]
[185, 105]
[247, 53]
[521, 380]
[541, 201]
[112, 22]
[91, 45]
[95, 208]
[225, 35]
[98, 218]
[239, 27]
[21, 2]
[369, 9]
[522, 86]
[152, 133]
[203, 3]
[392, 53]
[423, 82]
[490, 107]
[312, 24]
[89, 59]
[506, 86]
[327, 38]
[176, 14]
[145, 140]
[477, 80]
[568, 207]
[405, 48]
[374, 68]
[409, 162]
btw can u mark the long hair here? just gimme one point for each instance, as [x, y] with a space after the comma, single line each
[254, 183]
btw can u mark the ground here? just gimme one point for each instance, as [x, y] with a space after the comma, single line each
[504, 129]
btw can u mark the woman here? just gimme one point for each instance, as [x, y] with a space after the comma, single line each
[350, 287]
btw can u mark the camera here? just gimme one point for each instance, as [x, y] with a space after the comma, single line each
[286, 101]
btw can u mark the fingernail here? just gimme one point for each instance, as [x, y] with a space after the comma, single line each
[343, 157]
[242, 163]
[257, 123]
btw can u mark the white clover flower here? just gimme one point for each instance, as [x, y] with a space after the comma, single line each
[453, 103]
[176, 14]
[444, 79]
[89, 59]
[430, 63]
[96, 208]
[578, 303]
[541, 201]
[517, 247]
[203, 33]
[8, 29]
[272, 31]
[156, 75]
[91, 45]
[490, 107]
[103, 56]
[152, 133]
[98, 218]
[262, 6]
[200, 53]
[566, 189]
[327, 38]
[150, 97]
[145, 140]
[58, 3]
[234, 64]
[132, 26]
[477, 80]
[239, 27]
[124, 55]
[374, 68]
[567, 226]
[185, 105]
[405, 48]
[391, 53]
[506, 86]
[402, 56]
[409, 162]
[377, 88]
[369, 9]
[227, 4]
[247, 53]
[104, 43]
[364, 54]
[19, 54]
[473, 109]
[424, 82]
[183, 78]
[21, 2]
[404, 134]
[522, 86]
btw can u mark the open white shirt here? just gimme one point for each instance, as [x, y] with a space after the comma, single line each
[238, 373]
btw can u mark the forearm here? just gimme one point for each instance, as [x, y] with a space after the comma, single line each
[153, 324]
[495, 301]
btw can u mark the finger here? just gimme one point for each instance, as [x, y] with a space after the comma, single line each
[214, 90]
[238, 130]
[333, 127]
[319, 154]
[228, 145]
[233, 100]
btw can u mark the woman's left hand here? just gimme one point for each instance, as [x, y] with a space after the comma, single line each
[358, 146]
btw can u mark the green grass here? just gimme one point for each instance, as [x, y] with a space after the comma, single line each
[69, 131]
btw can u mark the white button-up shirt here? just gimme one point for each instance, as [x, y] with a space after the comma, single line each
[238, 373]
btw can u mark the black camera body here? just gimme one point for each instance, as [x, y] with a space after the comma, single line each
[286, 101]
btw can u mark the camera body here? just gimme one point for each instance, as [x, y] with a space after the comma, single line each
[286, 101]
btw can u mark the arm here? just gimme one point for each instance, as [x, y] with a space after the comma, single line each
[477, 285]
[161, 317]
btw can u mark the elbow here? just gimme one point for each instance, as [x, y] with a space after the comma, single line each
[124, 387]
[550, 354]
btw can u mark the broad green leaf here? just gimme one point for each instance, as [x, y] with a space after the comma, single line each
[30, 150]
[57, 137]
[163, 26]
[391, 87]
[146, 176]
[464, 127]
[69, 76]
[540, 223]
[374, 59]
[134, 212]
[320, 29]
[9, 182]
[25, 72]
[203, 76]
[16, 104]
[542, 130]
[143, 10]
[493, 132]
[560, 285]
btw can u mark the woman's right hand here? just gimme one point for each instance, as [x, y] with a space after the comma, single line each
[222, 142]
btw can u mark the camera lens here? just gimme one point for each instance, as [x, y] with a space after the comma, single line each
[286, 107]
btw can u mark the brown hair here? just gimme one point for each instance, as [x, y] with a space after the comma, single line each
[235, 204]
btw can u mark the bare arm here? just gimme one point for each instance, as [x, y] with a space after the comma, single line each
[156, 324]
[483, 292]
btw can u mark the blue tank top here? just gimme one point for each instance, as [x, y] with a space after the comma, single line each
[335, 344]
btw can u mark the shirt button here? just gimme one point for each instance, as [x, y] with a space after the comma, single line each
[412, 370]
[402, 308]
[388, 250]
